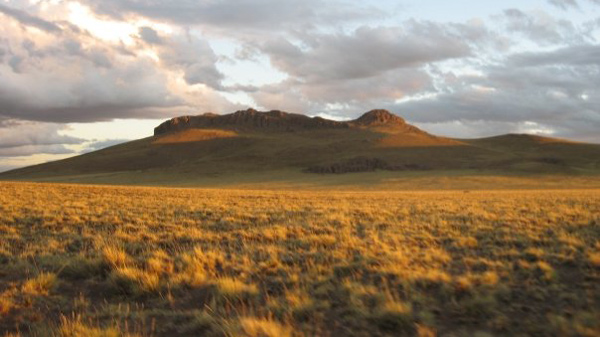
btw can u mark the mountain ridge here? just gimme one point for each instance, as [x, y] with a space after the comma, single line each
[250, 143]
[279, 120]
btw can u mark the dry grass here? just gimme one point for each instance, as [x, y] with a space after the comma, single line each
[254, 327]
[40, 285]
[194, 135]
[75, 327]
[185, 262]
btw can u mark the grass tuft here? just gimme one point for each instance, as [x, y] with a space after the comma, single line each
[257, 327]
[75, 327]
[234, 288]
[133, 281]
[40, 285]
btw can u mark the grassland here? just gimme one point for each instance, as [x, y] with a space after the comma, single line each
[132, 261]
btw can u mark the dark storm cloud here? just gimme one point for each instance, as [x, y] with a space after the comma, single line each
[29, 20]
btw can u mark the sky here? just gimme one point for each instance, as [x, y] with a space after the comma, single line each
[80, 75]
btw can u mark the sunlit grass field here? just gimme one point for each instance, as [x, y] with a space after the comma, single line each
[132, 261]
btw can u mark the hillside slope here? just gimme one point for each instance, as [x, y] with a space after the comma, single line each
[292, 146]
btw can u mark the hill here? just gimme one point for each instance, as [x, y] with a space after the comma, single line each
[250, 146]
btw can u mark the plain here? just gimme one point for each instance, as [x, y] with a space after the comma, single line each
[79, 260]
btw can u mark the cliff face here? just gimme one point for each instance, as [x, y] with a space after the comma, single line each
[250, 119]
[377, 118]
[276, 120]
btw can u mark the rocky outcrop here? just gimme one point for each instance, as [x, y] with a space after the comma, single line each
[362, 164]
[279, 121]
[250, 119]
[378, 117]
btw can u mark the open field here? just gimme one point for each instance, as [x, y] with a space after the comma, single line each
[81, 260]
[371, 181]
[293, 180]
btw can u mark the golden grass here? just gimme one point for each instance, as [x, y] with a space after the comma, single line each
[5, 305]
[594, 259]
[254, 327]
[40, 285]
[75, 327]
[400, 140]
[197, 262]
[194, 135]
[231, 287]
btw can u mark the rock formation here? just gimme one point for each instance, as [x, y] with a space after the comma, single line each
[276, 120]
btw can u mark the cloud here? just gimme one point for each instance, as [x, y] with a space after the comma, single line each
[362, 68]
[410, 69]
[77, 76]
[74, 77]
[579, 55]
[101, 144]
[242, 16]
[4, 168]
[366, 52]
[568, 4]
[29, 20]
[564, 4]
[542, 28]
[555, 90]
[17, 133]
[480, 128]
[27, 150]
[193, 56]
[19, 138]
[348, 96]
[150, 35]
